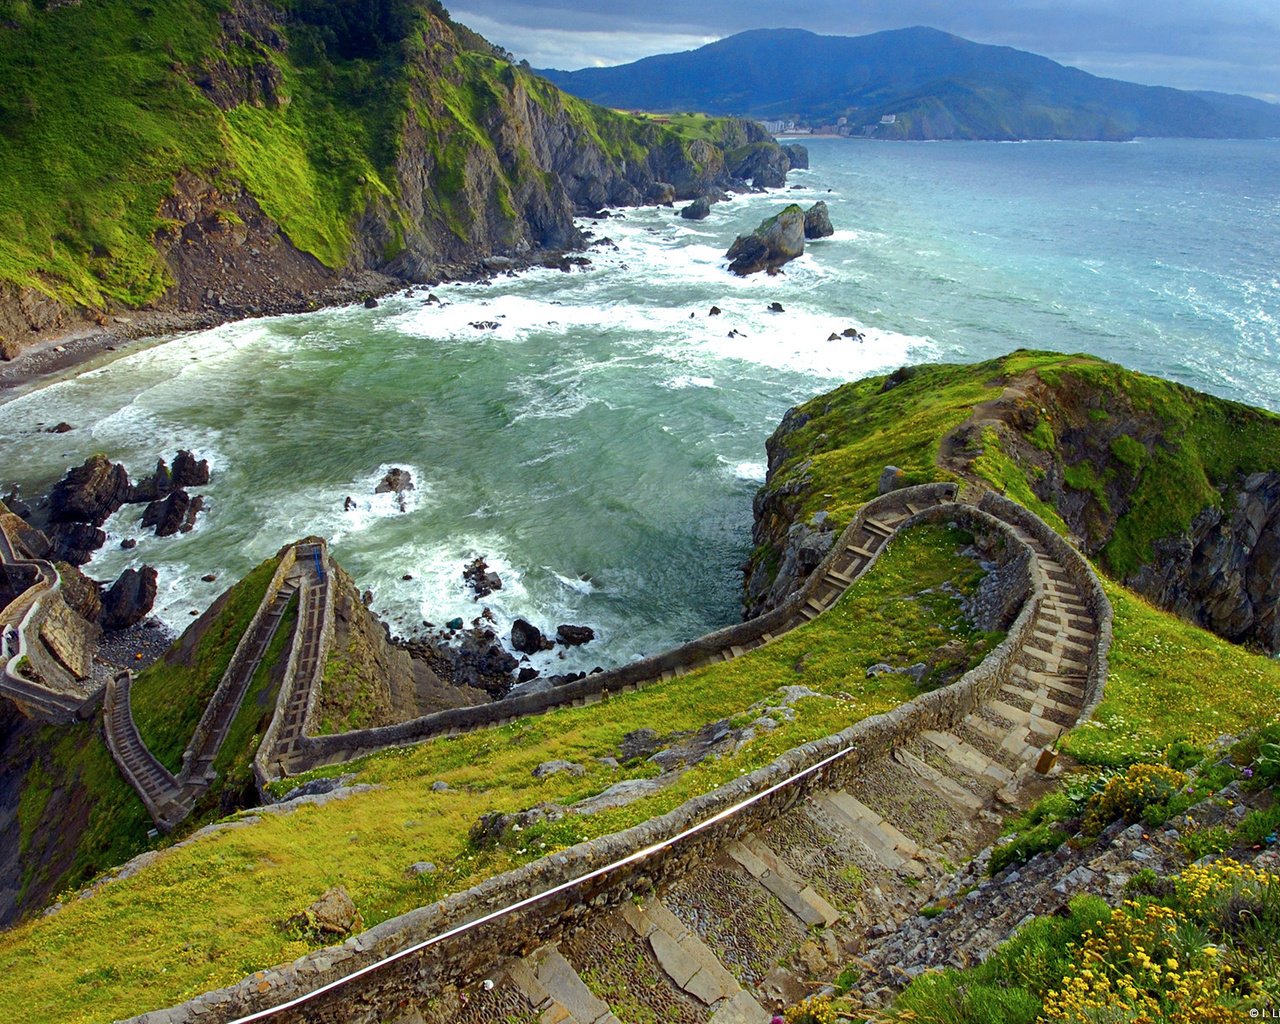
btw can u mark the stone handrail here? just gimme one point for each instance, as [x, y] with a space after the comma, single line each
[321, 750]
[155, 784]
[238, 663]
[536, 903]
[51, 691]
[1082, 575]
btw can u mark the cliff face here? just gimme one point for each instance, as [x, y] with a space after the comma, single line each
[222, 160]
[1173, 492]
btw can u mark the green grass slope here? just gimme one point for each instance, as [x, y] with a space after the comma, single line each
[339, 120]
[1142, 455]
[206, 914]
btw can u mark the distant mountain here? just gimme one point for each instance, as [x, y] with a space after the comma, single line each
[923, 83]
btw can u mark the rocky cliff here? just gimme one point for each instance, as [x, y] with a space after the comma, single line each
[1171, 491]
[202, 161]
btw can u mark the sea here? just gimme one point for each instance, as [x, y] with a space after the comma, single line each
[599, 437]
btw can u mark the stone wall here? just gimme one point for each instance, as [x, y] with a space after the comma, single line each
[462, 937]
[226, 685]
[1080, 572]
[322, 750]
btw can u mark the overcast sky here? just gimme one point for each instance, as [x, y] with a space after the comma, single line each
[1229, 45]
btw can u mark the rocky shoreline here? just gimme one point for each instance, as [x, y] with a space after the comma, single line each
[76, 344]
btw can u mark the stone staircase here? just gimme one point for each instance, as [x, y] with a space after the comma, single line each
[728, 922]
[304, 681]
[168, 798]
[159, 790]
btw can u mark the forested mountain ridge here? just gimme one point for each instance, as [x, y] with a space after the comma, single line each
[931, 84]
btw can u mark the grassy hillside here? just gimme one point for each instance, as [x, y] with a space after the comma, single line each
[360, 128]
[1133, 456]
[206, 914]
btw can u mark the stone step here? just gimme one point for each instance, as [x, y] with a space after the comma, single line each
[551, 984]
[792, 891]
[876, 526]
[1039, 701]
[1061, 640]
[968, 758]
[888, 845]
[1032, 681]
[932, 779]
[686, 960]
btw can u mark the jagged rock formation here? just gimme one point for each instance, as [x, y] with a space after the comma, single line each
[778, 240]
[817, 221]
[1223, 573]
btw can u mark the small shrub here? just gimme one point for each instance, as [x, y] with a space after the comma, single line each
[1198, 842]
[814, 1010]
[1127, 796]
[1182, 754]
[846, 979]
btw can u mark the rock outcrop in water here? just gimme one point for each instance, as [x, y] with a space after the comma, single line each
[817, 221]
[778, 240]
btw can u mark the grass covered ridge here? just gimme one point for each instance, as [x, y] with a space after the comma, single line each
[207, 914]
[170, 696]
[304, 104]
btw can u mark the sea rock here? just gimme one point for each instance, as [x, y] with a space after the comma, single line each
[660, 193]
[699, 209]
[370, 303]
[714, 311]
[60, 428]
[798, 155]
[189, 471]
[89, 493]
[530, 687]
[765, 164]
[75, 542]
[397, 481]
[777, 240]
[129, 599]
[16, 505]
[83, 595]
[891, 479]
[158, 485]
[817, 222]
[173, 514]
[574, 636]
[528, 639]
[483, 583]
[776, 307]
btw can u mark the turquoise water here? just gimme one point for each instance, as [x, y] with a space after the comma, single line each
[601, 446]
